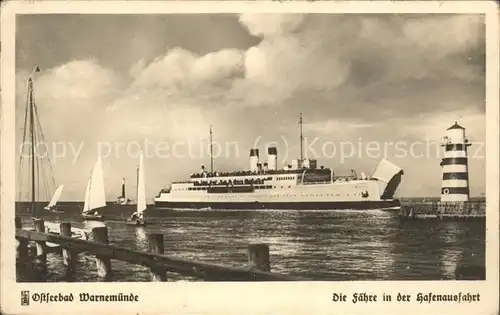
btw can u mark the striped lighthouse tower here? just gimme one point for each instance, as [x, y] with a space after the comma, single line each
[455, 185]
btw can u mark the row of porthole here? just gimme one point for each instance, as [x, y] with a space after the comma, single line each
[316, 195]
[303, 195]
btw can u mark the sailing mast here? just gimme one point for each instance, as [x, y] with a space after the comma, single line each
[31, 103]
[301, 141]
[211, 152]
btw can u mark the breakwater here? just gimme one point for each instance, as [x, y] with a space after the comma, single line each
[468, 210]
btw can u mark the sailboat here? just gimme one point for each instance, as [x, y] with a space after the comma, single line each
[95, 195]
[52, 206]
[137, 217]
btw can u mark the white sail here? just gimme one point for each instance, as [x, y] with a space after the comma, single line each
[86, 204]
[141, 186]
[95, 195]
[55, 196]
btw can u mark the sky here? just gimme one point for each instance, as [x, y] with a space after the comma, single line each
[368, 86]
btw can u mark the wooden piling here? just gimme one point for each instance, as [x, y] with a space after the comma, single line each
[22, 244]
[41, 246]
[258, 257]
[69, 256]
[18, 222]
[103, 263]
[156, 245]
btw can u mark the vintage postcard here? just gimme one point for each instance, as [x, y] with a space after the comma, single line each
[282, 157]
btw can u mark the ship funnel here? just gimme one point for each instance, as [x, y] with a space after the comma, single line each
[254, 159]
[272, 158]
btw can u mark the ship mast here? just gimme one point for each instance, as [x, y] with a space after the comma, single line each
[301, 141]
[211, 152]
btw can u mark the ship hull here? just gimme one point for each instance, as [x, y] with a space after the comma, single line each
[322, 205]
[136, 222]
[91, 217]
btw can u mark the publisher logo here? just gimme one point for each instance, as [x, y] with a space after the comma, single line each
[25, 298]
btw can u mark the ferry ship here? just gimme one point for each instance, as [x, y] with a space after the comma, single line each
[299, 186]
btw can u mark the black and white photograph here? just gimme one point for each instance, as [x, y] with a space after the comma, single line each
[251, 146]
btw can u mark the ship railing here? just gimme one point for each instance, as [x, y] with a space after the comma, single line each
[254, 173]
[316, 183]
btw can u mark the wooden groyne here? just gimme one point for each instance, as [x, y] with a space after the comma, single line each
[160, 265]
[469, 210]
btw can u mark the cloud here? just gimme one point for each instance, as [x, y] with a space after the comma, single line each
[181, 76]
[442, 36]
[137, 68]
[172, 92]
[68, 95]
[329, 59]
[433, 127]
[79, 81]
[180, 67]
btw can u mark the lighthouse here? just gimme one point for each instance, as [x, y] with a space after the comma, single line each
[455, 182]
